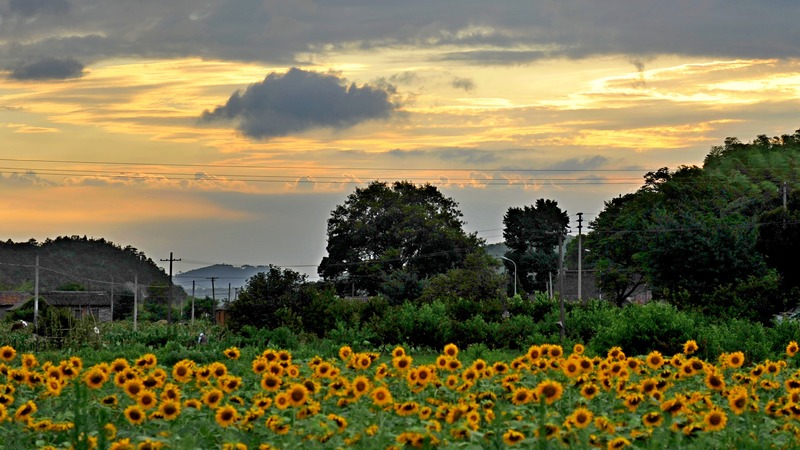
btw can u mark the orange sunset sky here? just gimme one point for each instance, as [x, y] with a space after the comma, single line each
[226, 131]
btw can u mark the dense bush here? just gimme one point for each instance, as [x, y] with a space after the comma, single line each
[639, 329]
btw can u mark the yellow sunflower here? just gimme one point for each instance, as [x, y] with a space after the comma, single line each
[618, 442]
[212, 397]
[360, 385]
[147, 399]
[182, 371]
[451, 350]
[133, 387]
[381, 396]
[135, 414]
[226, 415]
[298, 394]
[398, 352]
[737, 399]
[402, 363]
[170, 409]
[581, 417]
[734, 360]
[345, 352]
[654, 360]
[95, 378]
[513, 437]
[232, 353]
[792, 349]
[521, 396]
[7, 353]
[690, 347]
[549, 390]
[715, 420]
[652, 419]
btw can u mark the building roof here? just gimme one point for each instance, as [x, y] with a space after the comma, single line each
[10, 298]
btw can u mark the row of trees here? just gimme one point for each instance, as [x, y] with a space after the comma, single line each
[717, 239]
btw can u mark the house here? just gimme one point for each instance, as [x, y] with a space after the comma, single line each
[10, 300]
[96, 304]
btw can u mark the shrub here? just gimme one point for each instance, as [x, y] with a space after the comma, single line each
[638, 329]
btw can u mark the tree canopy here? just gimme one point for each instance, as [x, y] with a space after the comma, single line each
[700, 237]
[388, 238]
[268, 298]
[532, 235]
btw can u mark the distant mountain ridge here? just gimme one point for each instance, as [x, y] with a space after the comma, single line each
[223, 274]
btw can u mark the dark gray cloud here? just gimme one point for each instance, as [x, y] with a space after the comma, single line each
[48, 69]
[497, 57]
[508, 32]
[463, 83]
[470, 156]
[30, 8]
[300, 100]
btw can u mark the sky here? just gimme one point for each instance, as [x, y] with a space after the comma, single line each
[226, 131]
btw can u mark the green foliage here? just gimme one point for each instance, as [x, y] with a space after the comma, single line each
[477, 280]
[638, 329]
[585, 321]
[779, 240]
[76, 259]
[532, 235]
[756, 298]
[203, 308]
[270, 299]
[383, 231]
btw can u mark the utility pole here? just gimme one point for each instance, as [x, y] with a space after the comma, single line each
[580, 257]
[192, 302]
[229, 293]
[169, 288]
[213, 292]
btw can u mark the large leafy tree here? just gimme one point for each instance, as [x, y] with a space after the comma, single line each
[679, 234]
[269, 299]
[390, 237]
[532, 235]
[615, 246]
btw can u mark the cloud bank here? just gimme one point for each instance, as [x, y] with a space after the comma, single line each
[48, 69]
[286, 32]
[301, 100]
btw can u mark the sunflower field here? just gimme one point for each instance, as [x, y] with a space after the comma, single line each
[545, 397]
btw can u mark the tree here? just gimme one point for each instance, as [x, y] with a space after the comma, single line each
[680, 234]
[268, 299]
[386, 238]
[532, 235]
[779, 240]
[615, 246]
[478, 280]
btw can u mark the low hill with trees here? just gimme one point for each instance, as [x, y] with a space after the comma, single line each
[75, 263]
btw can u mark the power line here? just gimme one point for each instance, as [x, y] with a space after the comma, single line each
[240, 166]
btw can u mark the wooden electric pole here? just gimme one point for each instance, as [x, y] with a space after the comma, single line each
[169, 287]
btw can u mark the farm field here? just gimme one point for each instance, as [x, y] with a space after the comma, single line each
[546, 396]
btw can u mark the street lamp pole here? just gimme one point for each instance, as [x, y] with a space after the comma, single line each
[515, 274]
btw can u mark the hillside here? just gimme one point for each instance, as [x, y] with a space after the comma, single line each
[75, 263]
